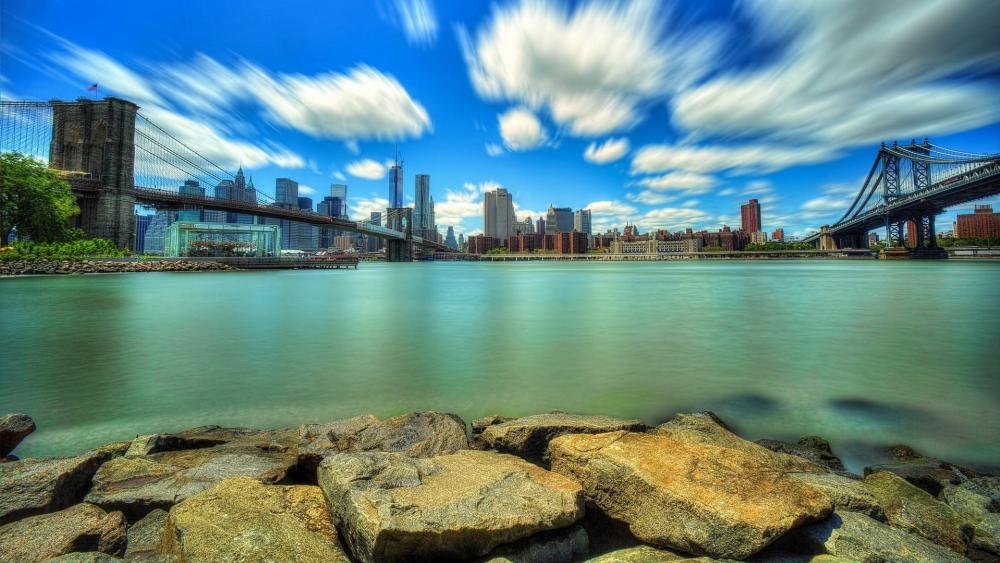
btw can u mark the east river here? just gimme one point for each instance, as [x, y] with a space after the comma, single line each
[863, 353]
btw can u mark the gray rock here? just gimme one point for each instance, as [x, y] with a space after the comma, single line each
[558, 546]
[13, 428]
[855, 536]
[528, 437]
[393, 507]
[136, 485]
[972, 501]
[82, 527]
[843, 492]
[928, 473]
[422, 434]
[480, 424]
[686, 495]
[915, 510]
[36, 486]
[707, 428]
[145, 535]
[638, 554]
[808, 447]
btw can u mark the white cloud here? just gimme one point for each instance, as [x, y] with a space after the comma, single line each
[591, 68]
[463, 208]
[366, 168]
[362, 207]
[690, 203]
[352, 147]
[609, 214]
[856, 72]
[827, 203]
[305, 190]
[494, 149]
[714, 158]
[521, 130]
[686, 182]
[675, 218]
[728, 192]
[650, 197]
[418, 21]
[758, 187]
[339, 175]
[608, 151]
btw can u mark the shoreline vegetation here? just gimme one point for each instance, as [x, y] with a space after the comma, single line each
[549, 487]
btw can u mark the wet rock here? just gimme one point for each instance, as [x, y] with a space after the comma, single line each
[528, 437]
[138, 484]
[144, 536]
[706, 428]
[857, 537]
[13, 429]
[558, 546]
[928, 473]
[912, 509]
[392, 507]
[685, 494]
[36, 486]
[241, 519]
[638, 554]
[843, 492]
[812, 448]
[480, 424]
[88, 557]
[82, 527]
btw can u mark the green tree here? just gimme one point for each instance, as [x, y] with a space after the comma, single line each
[34, 199]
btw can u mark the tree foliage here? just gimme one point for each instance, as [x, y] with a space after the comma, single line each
[948, 242]
[34, 199]
[73, 250]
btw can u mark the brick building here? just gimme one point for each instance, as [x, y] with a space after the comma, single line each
[480, 244]
[982, 223]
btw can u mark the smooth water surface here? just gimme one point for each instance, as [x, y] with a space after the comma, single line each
[864, 353]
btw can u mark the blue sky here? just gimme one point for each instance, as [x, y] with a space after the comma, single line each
[667, 115]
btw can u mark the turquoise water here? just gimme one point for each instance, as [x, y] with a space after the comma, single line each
[863, 353]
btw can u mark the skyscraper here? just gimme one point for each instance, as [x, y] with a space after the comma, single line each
[540, 226]
[498, 214]
[750, 214]
[305, 203]
[422, 202]
[396, 183]
[191, 187]
[449, 239]
[286, 192]
[340, 191]
[581, 222]
[559, 220]
[141, 226]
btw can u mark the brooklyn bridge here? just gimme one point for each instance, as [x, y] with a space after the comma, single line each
[115, 158]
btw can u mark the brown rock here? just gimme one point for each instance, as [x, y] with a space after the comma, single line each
[915, 510]
[565, 545]
[241, 519]
[812, 448]
[393, 507]
[144, 536]
[480, 424]
[685, 494]
[706, 428]
[928, 473]
[36, 486]
[13, 428]
[528, 437]
[422, 434]
[844, 492]
[82, 527]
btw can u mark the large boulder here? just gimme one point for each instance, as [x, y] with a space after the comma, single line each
[392, 507]
[706, 428]
[36, 486]
[139, 484]
[280, 440]
[480, 424]
[421, 434]
[566, 545]
[975, 501]
[82, 527]
[812, 448]
[855, 536]
[913, 509]
[687, 495]
[928, 473]
[843, 492]
[84, 557]
[13, 428]
[638, 554]
[241, 519]
[528, 437]
[145, 535]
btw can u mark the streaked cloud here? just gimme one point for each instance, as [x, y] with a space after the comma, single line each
[494, 149]
[687, 182]
[521, 130]
[367, 169]
[743, 158]
[361, 208]
[608, 151]
[418, 21]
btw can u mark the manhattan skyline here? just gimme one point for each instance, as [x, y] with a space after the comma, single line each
[703, 107]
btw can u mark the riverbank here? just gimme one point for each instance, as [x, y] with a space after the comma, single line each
[55, 267]
[549, 487]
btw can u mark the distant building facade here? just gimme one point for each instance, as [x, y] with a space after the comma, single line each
[498, 214]
[750, 215]
[778, 235]
[981, 223]
[449, 239]
[481, 244]
[396, 183]
[142, 223]
[558, 220]
[581, 222]
[655, 246]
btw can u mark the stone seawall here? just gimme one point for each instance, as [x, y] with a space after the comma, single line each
[426, 487]
[44, 267]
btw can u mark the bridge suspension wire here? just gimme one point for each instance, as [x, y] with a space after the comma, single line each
[26, 128]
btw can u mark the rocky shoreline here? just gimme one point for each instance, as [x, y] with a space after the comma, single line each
[425, 487]
[55, 267]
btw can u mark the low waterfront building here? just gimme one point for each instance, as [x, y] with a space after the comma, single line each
[982, 223]
[655, 246]
[344, 243]
[190, 239]
[758, 237]
[526, 243]
[778, 235]
[481, 244]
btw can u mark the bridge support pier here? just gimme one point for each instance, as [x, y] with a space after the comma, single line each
[399, 219]
[398, 251]
[826, 240]
[96, 139]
